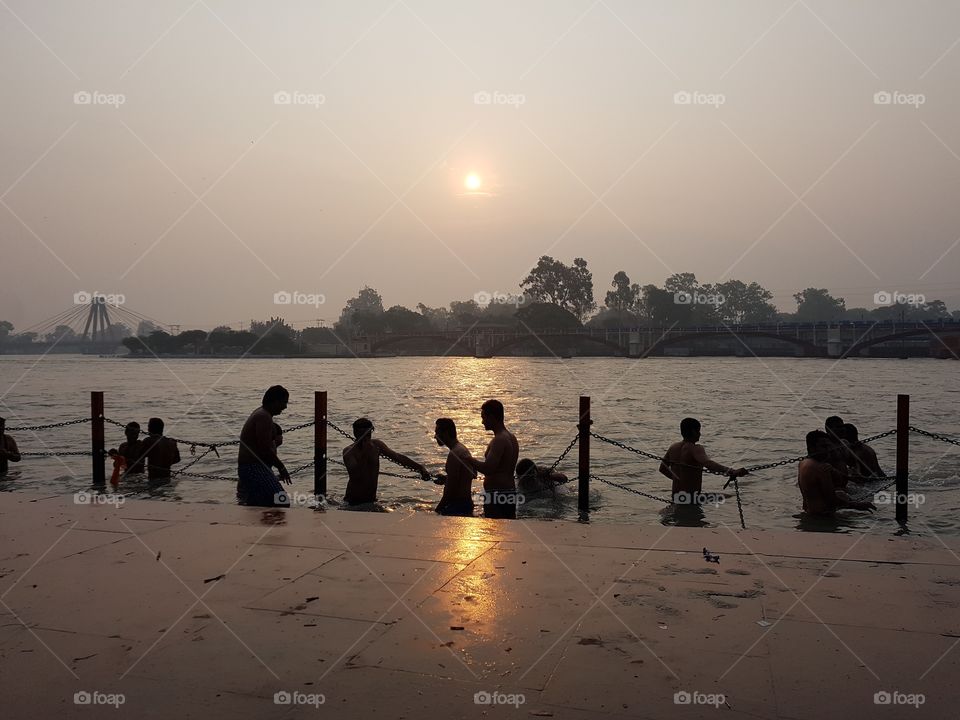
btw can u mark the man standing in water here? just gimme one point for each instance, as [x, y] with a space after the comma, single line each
[684, 463]
[8, 448]
[498, 465]
[161, 453]
[815, 476]
[362, 459]
[459, 473]
[256, 483]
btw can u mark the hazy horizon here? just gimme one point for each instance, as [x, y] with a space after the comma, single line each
[584, 150]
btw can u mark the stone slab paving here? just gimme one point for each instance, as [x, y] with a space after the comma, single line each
[206, 611]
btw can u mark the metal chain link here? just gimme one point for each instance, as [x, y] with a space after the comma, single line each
[64, 453]
[340, 430]
[630, 489]
[934, 436]
[48, 426]
[564, 453]
[736, 489]
[879, 435]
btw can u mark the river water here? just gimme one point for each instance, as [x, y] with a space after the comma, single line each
[753, 411]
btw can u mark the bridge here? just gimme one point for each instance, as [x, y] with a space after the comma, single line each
[842, 339]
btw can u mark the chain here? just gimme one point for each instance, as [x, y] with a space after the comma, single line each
[779, 463]
[641, 453]
[301, 426]
[630, 489]
[879, 435]
[341, 430]
[51, 425]
[88, 453]
[564, 453]
[934, 436]
[736, 489]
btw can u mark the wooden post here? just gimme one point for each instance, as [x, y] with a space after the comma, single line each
[97, 439]
[903, 456]
[583, 491]
[320, 444]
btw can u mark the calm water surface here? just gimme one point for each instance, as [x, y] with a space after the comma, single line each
[753, 411]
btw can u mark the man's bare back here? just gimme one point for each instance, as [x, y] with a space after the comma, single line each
[458, 487]
[362, 459]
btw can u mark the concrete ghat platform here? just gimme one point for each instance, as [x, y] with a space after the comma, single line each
[207, 611]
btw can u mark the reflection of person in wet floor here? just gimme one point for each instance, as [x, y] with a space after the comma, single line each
[458, 475]
[9, 452]
[362, 460]
[816, 479]
[685, 461]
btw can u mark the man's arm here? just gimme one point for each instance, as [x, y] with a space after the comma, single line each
[265, 450]
[700, 455]
[11, 450]
[665, 468]
[401, 459]
[493, 458]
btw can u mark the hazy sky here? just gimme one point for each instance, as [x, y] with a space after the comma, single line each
[783, 168]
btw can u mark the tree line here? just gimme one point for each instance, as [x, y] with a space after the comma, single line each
[553, 295]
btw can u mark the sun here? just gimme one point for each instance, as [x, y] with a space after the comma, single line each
[472, 182]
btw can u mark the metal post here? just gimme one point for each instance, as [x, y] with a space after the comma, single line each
[583, 493]
[97, 439]
[320, 443]
[903, 455]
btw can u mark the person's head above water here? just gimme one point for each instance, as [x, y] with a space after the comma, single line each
[155, 426]
[834, 425]
[850, 433]
[362, 429]
[132, 431]
[275, 399]
[491, 413]
[445, 432]
[526, 468]
[819, 445]
[690, 429]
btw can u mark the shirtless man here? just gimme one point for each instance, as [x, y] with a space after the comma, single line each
[816, 481]
[840, 457]
[256, 483]
[161, 452]
[362, 458]
[9, 452]
[133, 450]
[865, 464]
[498, 465]
[684, 462]
[458, 475]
